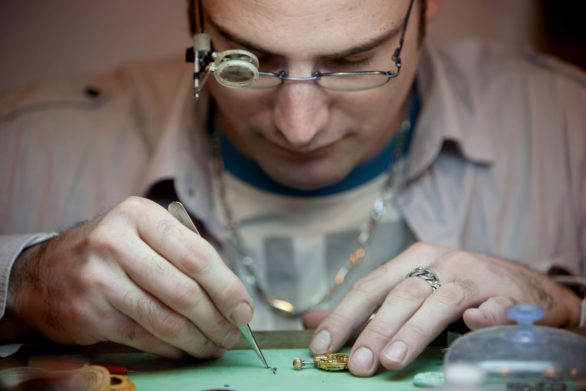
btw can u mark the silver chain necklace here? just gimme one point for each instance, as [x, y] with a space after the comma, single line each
[357, 256]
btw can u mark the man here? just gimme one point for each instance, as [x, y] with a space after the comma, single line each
[482, 198]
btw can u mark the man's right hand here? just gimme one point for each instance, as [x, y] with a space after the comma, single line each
[135, 276]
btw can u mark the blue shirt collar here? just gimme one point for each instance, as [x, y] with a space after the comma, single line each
[250, 172]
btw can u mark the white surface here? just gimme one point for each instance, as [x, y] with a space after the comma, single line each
[51, 39]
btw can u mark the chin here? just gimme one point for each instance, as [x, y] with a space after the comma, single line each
[304, 177]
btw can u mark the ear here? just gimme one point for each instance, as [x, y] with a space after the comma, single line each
[432, 9]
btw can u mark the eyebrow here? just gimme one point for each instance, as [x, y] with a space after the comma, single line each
[373, 43]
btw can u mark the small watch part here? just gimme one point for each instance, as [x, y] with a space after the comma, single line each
[332, 362]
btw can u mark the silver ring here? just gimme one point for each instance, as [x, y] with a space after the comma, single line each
[427, 275]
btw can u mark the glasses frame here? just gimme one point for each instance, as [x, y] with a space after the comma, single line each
[207, 60]
[317, 75]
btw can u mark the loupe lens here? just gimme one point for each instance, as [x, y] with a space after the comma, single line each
[236, 68]
[236, 73]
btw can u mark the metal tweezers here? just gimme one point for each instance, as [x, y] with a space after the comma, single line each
[178, 211]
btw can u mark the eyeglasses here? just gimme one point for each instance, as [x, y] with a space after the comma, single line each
[240, 68]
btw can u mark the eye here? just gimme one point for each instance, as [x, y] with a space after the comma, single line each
[355, 60]
[350, 63]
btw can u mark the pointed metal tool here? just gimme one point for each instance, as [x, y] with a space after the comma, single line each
[178, 211]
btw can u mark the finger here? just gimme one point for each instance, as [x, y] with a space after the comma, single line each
[95, 320]
[86, 321]
[367, 294]
[164, 281]
[398, 308]
[347, 317]
[312, 319]
[195, 257]
[490, 313]
[441, 308]
[160, 321]
[123, 330]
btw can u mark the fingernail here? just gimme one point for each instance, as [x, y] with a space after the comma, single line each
[242, 314]
[231, 339]
[362, 359]
[396, 352]
[321, 342]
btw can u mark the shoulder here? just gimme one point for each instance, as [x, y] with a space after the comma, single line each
[134, 99]
[474, 59]
[523, 114]
[504, 90]
[486, 76]
[140, 83]
[78, 146]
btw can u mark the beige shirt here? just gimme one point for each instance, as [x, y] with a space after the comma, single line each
[497, 165]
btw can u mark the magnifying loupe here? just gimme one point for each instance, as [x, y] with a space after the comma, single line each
[234, 68]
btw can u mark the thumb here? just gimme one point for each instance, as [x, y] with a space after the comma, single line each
[490, 313]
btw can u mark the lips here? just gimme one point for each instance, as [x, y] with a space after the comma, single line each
[306, 152]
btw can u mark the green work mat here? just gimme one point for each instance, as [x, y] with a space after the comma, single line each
[241, 370]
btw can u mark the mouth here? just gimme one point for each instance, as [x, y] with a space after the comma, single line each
[310, 152]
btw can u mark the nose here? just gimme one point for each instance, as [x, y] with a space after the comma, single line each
[301, 111]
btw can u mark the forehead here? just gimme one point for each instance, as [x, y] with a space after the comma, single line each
[308, 26]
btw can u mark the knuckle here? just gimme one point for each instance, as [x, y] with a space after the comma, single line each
[364, 288]
[451, 295]
[220, 329]
[151, 265]
[199, 263]
[206, 349]
[168, 229]
[130, 208]
[490, 315]
[186, 296]
[169, 325]
[231, 291]
[201, 348]
[222, 326]
[129, 332]
[131, 204]
[102, 240]
[414, 332]
[130, 301]
[504, 301]
[411, 290]
[72, 311]
[100, 236]
[95, 278]
[360, 285]
[457, 260]
[162, 321]
[79, 306]
[421, 249]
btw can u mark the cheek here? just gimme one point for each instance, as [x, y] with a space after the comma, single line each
[366, 109]
[241, 107]
[362, 105]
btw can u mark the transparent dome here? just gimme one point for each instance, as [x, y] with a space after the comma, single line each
[519, 357]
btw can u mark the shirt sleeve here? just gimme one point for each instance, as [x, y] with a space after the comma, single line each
[11, 246]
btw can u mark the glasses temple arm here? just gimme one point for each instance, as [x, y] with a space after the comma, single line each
[397, 54]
